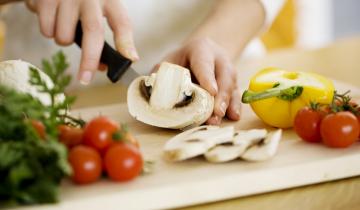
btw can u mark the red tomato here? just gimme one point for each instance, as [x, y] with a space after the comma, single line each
[70, 136]
[307, 124]
[39, 127]
[99, 131]
[358, 117]
[340, 129]
[86, 164]
[123, 162]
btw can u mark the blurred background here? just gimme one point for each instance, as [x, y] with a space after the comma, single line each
[305, 24]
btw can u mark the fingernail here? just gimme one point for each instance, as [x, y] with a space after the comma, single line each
[85, 77]
[237, 112]
[223, 107]
[214, 87]
[131, 53]
[127, 46]
[217, 120]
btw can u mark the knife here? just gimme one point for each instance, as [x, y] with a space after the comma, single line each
[118, 65]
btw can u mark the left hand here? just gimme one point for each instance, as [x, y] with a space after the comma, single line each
[214, 71]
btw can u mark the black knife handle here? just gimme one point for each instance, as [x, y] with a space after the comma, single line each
[117, 64]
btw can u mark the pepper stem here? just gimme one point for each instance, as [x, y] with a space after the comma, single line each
[284, 93]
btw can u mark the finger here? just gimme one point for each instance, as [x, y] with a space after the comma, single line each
[120, 24]
[93, 40]
[67, 18]
[176, 57]
[30, 5]
[214, 120]
[46, 10]
[202, 65]
[102, 67]
[226, 81]
[234, 109]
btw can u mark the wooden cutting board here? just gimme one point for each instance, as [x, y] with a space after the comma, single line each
[197, 181]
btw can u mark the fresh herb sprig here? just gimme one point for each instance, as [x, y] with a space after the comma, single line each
[60, 103]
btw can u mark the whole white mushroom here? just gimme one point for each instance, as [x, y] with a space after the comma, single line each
[15, 74]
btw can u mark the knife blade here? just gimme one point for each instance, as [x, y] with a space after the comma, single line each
[118, 65]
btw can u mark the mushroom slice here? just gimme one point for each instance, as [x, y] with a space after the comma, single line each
[265, 149]
[169, 99]
[243, 139]
[196, 141]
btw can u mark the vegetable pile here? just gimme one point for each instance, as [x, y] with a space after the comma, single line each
[40, 144]
[306, 101]
[32, 161]
[102, 146]
[336, 125]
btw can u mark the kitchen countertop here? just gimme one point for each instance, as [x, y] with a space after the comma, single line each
[340, 61]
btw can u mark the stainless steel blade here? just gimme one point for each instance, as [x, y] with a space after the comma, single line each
[129, 75]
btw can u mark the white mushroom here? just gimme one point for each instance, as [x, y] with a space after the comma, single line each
[196, 141]
[265, 149]
[169, 99]
[243, 139]
[15, 74]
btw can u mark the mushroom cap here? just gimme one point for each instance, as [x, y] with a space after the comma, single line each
[193, 114]
[15, 74]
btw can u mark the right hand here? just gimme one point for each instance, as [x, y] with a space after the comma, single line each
[58, 19]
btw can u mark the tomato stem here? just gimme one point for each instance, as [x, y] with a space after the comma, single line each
[284, 93]
[117, 136]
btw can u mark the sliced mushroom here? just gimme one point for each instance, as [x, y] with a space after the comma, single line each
[196, 141]
[242, 141]
[169, 99]
[265, 149]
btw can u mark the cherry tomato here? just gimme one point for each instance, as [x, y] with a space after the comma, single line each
[39, 127]
[70, 136]
[98, 133]
[123, 162]
[358, 117]
[307, 124]
[86, 164]
[339, 129]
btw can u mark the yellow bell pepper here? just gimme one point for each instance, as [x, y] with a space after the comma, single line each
[276, 95]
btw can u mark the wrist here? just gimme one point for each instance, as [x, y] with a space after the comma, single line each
[232, 24]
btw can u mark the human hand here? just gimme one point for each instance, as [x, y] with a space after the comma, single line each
[58, 20]
[213, 70]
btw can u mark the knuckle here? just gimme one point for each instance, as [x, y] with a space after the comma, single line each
[63, 39]
[94, 26]
[91, 58]
[47, 3]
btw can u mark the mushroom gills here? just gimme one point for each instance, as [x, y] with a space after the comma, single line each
[265, 149]
[243, 139]
[196, 141]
